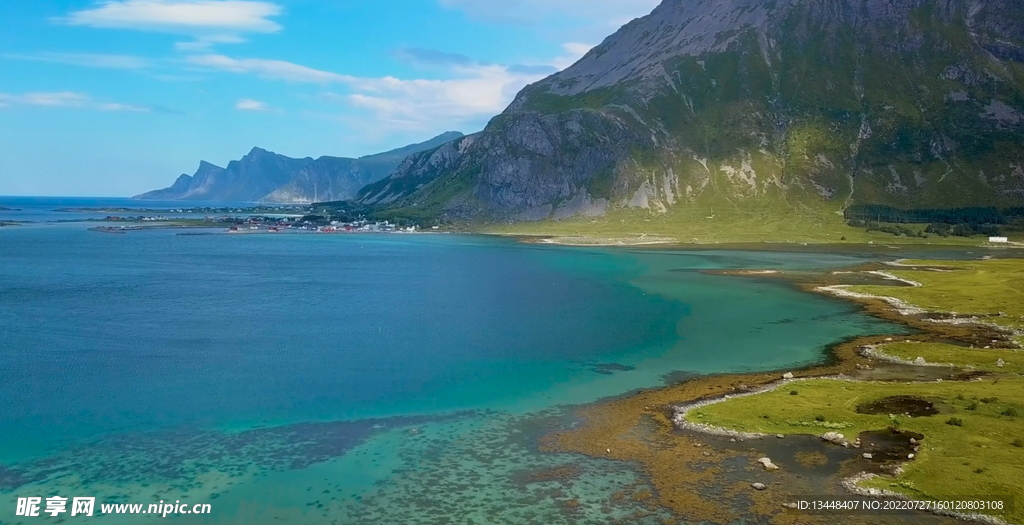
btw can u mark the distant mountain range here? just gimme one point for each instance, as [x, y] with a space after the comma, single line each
[265, 176]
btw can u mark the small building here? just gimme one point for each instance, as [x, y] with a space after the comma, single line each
[998, 240]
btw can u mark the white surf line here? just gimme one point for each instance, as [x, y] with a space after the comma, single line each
[904, 308]
[852, 484]
[842, 290]
[873, 352]
[890, 277]
[901, 263]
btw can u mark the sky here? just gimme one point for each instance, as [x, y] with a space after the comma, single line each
[118, 97]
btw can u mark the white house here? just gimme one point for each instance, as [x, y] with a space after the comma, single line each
[998, 240]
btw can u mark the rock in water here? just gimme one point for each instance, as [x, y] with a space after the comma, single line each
[767, 464]
[758, 486]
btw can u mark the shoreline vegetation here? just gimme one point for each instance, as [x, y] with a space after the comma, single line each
[714, 225]
[936, 413]
[672, 242]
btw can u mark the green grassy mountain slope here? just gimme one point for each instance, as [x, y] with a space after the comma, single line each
[755, 109]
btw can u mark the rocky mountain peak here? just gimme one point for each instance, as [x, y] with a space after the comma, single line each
[792, 104]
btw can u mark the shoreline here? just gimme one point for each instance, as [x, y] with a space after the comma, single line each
[891, 248]
[603, 422]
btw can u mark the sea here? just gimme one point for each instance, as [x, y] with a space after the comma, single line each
[357, 378]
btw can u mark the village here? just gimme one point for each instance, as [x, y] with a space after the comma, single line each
[259, 224]
[272, 225]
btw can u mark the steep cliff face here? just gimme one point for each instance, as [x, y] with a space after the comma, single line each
[246, 180]
[269, 177]
[337, 178]
[186, 184]
[784, 103]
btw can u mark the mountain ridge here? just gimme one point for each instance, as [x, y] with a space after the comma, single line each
[750, 105]
[265, 176]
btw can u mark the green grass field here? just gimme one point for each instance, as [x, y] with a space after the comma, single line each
[725, 224]
[963, 357]
[979, 457]
[974, 446]
[992, 289]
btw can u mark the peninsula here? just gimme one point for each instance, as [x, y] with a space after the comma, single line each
[925, 416]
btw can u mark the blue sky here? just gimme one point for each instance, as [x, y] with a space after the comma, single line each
[118, 97]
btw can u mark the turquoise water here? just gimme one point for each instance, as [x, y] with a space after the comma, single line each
[359, 378]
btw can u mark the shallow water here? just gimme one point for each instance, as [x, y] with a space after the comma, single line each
[361, 378]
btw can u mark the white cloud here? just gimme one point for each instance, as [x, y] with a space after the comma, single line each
[84, 59]
[212, 21]
[573, 52]
[417, 104]
[113, 106]
[248, 104]
[483, 90]
[193, 46]
[475, 92]
[270, 69]
[61, 98]
[66, 99]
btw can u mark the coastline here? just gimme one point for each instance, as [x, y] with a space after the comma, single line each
[891, 247]
[604, 423]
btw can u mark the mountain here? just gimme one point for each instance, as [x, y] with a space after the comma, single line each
[765, 106]
[336, 178]
[269, 177]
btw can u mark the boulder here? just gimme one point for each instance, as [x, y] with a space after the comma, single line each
[867, 456]
[758, 486]
[834, 437]
[920, 361]
[768, 465]
[787, 375]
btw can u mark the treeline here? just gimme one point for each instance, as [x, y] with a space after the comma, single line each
[960, 222]
[953, 216]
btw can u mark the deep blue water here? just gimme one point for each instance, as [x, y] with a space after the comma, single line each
[43, 209]
[182, 345]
